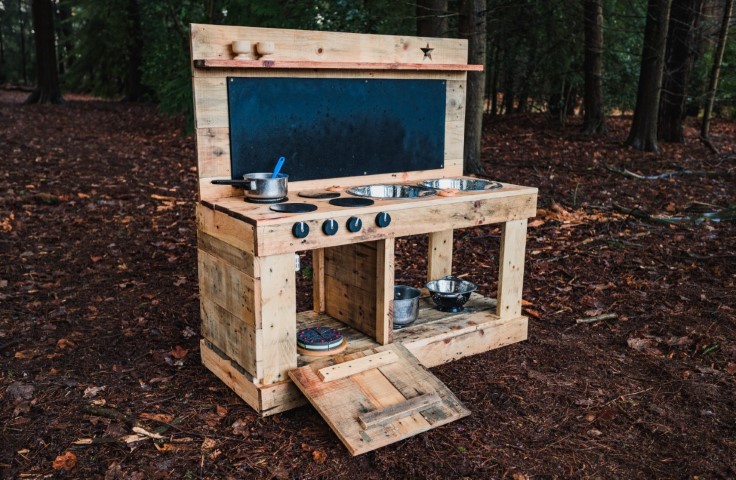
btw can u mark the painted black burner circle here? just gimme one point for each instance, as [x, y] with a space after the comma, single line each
[320, 195]
[266, 200]
[294, 208]
[351, 202]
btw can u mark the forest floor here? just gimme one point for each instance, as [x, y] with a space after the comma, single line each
[99, 314]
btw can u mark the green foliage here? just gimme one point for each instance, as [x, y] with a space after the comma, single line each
[535, 47]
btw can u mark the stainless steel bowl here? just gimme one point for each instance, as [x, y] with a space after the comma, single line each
[450, 293]
[462, 184]
[392, 191]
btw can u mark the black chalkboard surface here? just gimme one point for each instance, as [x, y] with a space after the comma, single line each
[330, 128]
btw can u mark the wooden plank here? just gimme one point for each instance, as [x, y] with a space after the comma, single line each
[408, 218]
[222, 368]
[440, 349]
[321, 65]
[276, 303]
[396, 411]
[228, 287]
[440, 254]
[511, 268]
[214, 41]
[342, 370]
[279, 397]
[353, 306]
[226, 228]
[231, 335]
[318, 280]
[213, 152]
[384, 281]
[341, 402]
[239, 259]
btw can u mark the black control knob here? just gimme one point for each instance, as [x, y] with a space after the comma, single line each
[383, 219]
[300, 229]
[354, 224]
[329, 227]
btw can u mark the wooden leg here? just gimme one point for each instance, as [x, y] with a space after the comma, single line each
[384, 290]
[318, 280]
[440, 254]
[511, 269]
[276, 297]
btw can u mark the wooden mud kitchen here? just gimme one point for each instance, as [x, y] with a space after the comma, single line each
[371, 128]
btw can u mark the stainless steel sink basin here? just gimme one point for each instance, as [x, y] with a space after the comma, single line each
[392, 191]
[462, 184]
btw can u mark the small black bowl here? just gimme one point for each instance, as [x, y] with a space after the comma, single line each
[450, 293]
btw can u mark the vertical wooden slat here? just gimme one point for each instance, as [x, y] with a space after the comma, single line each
[318, 280]
[511, 269]
[384, 290]
[276, 297]
[440, 254]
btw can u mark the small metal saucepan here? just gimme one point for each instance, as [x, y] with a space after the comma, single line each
[260, 186]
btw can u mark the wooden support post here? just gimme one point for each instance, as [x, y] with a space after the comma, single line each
[511, 269]
[440, 254]
[384, 290]
[318, 280]
[276, 303]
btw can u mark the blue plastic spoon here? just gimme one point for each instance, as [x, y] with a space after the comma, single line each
[279, 164]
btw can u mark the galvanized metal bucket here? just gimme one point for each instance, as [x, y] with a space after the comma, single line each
[406, 305]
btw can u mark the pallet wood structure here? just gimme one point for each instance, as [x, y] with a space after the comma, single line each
[246, 251]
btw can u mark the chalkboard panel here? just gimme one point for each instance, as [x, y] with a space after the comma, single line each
[329, 128]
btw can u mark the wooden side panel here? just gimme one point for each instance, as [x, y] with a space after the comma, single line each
[440, 254]
[223, 369]
[228, 287]
[276, 301]
[351, 295]
[385, 390]
[214, 41]
[511, 268]
[232, 335]
[226, 228]
[264, 399]
[213, 152]
[241, 260]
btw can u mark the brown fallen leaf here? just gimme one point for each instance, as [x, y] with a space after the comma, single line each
[158, 417]
[319, 456]
[208, 444]
[221, 411]
[178, 352]
[64, 343]
[66, 462]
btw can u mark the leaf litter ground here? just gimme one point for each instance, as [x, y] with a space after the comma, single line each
[99, 315]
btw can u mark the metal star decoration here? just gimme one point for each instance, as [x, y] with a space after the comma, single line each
[427, 52]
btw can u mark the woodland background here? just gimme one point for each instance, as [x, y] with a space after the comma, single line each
[99, 308]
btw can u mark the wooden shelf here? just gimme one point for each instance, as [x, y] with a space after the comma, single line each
[292, 64]
[436, 337]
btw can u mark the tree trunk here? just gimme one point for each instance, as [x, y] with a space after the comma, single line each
[716, 70]
[473, 27]
[22, 17]
[133, 86]
[677, 67]
[65, 35]
[643, 134]
[595, 120]
[47, 85]
[431, 18]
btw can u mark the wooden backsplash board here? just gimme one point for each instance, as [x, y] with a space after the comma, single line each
[359, 56]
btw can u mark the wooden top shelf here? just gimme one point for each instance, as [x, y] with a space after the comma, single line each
[291, 64]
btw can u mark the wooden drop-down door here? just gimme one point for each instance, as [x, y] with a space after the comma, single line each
[377, 397]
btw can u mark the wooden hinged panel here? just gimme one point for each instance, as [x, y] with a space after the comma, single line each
[377, 397]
